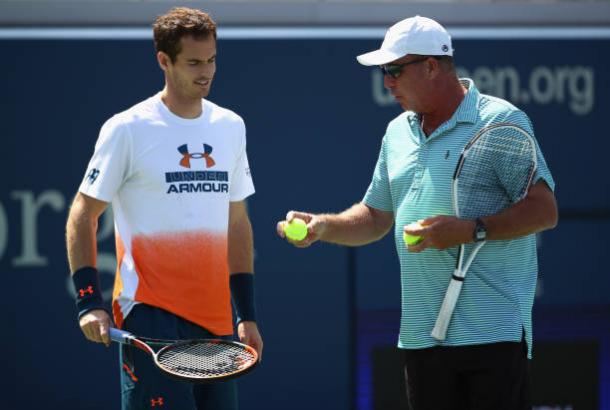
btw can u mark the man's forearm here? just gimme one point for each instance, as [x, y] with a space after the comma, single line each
[535, 213]
[241, 244]
[81, 230]
[81, 241]
[358, 225]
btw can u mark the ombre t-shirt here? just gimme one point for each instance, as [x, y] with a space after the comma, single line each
[170, 181]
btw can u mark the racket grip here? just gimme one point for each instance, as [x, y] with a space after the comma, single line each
[444, 316]
[119, 336]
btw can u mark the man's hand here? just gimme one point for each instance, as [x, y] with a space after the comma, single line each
[441, 232]
[316, 225]
[95, 325]
[248, 334]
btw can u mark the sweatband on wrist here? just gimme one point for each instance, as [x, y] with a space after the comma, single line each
[88, 290]
[242, 292]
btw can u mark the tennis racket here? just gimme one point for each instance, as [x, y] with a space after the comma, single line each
[494, 171]
[196, 361]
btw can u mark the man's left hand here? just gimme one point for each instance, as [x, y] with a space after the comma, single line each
[442, 232]
[248, 333]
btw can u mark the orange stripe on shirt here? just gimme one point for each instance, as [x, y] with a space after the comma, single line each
[187, 274]
[118, 283]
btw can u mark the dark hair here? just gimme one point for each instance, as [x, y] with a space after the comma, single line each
[446, 62]
[179, 22]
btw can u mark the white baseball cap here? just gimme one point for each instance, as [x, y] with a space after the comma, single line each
[414, 35]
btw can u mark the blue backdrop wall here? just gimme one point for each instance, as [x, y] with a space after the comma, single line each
[305, 96]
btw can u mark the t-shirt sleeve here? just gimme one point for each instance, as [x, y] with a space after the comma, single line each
[542, 171]
[378, 194]
[242, 185]
[110, 163]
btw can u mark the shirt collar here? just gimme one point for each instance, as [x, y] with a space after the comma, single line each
[466, 111]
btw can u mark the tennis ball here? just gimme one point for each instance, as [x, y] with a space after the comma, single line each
[296, 230]
[412, 239]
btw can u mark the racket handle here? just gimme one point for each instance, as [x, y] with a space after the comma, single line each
[444, 316]
[119, 336]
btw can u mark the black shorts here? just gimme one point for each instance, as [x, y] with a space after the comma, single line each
[481, 377]
[143, 386]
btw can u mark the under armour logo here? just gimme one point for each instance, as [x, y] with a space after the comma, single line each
[187, 156]
[157, 402]
[92, 175]
[445, 48]
[88, 290]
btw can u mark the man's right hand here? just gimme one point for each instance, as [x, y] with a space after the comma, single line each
[95, 325]
[316, 226]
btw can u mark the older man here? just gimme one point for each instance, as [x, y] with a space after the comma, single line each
[483, 362]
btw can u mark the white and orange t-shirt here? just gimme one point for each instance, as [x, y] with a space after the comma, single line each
[170, 181]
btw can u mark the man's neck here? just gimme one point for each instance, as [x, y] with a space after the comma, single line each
[448, 101]
[181, 106]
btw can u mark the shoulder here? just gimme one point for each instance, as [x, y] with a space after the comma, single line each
[495, 110]
[401, 119]
[400, 124]
[118, 126]
[400, 129]
[222, 114]
[114, 125]
[143, 111]
[490, 104]
[114, 134]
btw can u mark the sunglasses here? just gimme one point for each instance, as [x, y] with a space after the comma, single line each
[394, 70]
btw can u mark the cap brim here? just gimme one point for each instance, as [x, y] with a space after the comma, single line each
[377, 57]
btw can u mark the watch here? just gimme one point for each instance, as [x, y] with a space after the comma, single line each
[480, 231]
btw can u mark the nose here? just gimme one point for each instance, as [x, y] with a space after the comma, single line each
[389, 81]
[208, 70]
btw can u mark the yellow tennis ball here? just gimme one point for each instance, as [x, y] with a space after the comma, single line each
[296, 230]
[412, 239]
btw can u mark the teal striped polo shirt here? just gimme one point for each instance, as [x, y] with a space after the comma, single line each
[412, 179]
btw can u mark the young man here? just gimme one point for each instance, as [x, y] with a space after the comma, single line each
[482, 364]
[176, 171]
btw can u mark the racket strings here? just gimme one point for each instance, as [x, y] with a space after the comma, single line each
[496, 172]
[205, 360]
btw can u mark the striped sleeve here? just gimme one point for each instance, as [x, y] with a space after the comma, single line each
[521, 119]
[378, 194]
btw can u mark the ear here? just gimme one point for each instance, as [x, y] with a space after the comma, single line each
[433, 67]
[163, 60]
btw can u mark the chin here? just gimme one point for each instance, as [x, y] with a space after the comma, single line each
[201, 94]
[404, 106]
